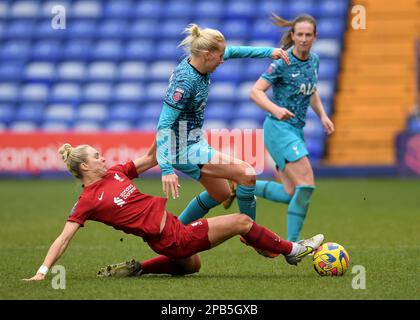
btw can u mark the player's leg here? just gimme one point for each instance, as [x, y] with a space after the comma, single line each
[301, 174]
[227, 167]
[225, 227]
[280, 190]
[216, 191]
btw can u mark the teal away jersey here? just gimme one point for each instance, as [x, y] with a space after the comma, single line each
[293, 85]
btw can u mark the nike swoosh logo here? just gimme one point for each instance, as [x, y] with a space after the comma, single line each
[295, 75]
[102, 195]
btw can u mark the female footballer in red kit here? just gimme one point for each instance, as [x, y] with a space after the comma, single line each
[110, 197]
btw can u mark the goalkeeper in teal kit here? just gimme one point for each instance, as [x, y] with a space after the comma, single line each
[180, 141]
[294, 88]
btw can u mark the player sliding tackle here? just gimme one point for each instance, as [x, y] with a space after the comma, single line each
[110, 197]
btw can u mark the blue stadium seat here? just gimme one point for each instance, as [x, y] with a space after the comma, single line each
[263, 29]
[240, 9]
[229, 71]
[161, 70]
[244, 90]
[249, 110]
[179, 9]
[15, 50]
[85, 9]
[87, 126]
[313, 129]
[23, 9]
[146, 125]
[316, 147]
[46, 11]
[333, 8]
[23, 126]
[39, 71]
[4, 8]
[113, 29]
[220, 111]
[266, 8]
[101, 70]
[55, 126]
[77, 49]
[10, 71]
[8, 91]
[208, 23]
[20, 29]
[60, 112]
[173, 28]
[7, 113]
[142, 50]
[209, 9]
[34, 92]
[235, 29]
[107, 49]
[155, 91]
[46, 50]
[245, 123]
[215, 124]
[71, 70]
[43, 30]
[168, 50]
[326, 89]
[327, 48]
[222, 91]
[30, 112]
[125, 111]
[65, 92]
[118, 9]
[132, 70]
[296, 8]
[128, 91]
[331, 28]
[255, 68]
[147, 29]
[96, 112]
[149, 9]
[151, 112]
[97, 92]
[118, 125]
[82, 29]
[328, 69]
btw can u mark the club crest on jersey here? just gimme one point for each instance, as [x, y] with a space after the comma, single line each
[178, 94]
[118, 178]
[270, 68]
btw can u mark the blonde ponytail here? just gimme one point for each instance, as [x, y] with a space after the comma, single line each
[73, 157]
[199, 40]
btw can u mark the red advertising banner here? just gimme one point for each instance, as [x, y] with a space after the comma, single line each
[35, 153]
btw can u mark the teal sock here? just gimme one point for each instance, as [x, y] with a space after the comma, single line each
[245, 196]
[296, 213]
[197, 208]
[272, 191]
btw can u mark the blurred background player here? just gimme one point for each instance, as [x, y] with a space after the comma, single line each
[182, 118]
[294, 89]
[110, 197]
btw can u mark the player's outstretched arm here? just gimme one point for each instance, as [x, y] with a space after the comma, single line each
[147, 161]
[56, 250]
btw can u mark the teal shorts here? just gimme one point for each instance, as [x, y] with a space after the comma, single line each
[193, 158]
[284, 142]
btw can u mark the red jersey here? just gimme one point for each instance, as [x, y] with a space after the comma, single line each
[115, 201]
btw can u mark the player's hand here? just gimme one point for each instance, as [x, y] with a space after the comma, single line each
[282, 113]
[328, 125]
[37, 277]
[280, 54]
[170, 184]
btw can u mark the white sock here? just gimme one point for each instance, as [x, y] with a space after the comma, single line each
[296, 249]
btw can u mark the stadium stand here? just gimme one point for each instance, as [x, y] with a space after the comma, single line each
[376, 85]
[108, 69]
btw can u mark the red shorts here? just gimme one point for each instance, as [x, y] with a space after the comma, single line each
[178, 241]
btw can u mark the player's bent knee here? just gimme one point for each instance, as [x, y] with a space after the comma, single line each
[248, 175]
[244, 223]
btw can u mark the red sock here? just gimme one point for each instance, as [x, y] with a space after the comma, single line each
[262, 238]
[161, 264]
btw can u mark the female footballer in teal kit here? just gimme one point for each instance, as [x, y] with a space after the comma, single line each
[294, 88]
[180, 141]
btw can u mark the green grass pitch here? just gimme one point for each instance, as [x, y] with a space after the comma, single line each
[376, 220]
